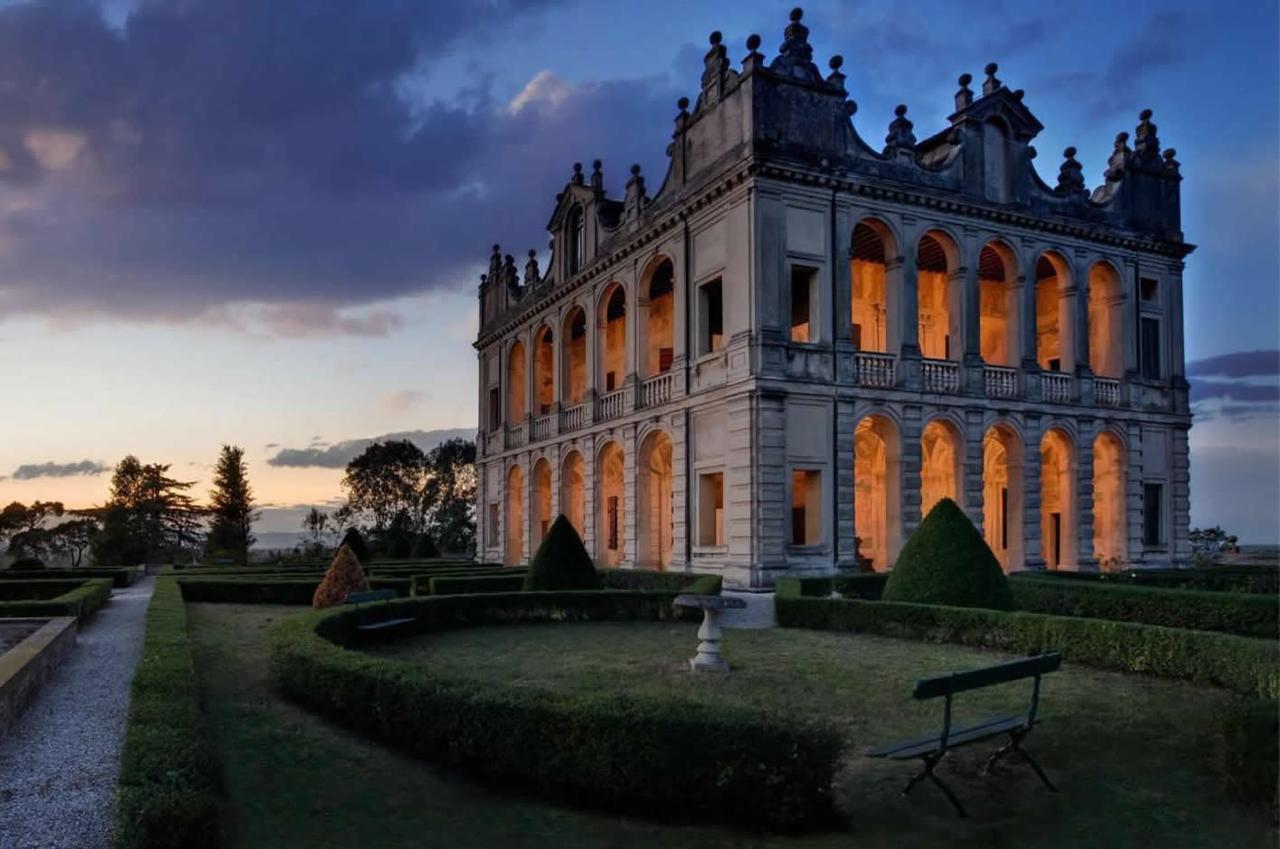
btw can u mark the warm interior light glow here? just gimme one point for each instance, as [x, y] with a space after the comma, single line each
[660, 321]
[656, 526]
[1106, 320]
[544, 387]
[997, 305]
[711, 509]
[876, 490]
[1002, 495]
[867, 277]
[609, 505]
[541, 498]
[575, 357]
[573, 492]
[806, 507]
[516, 388]
[1110, 544]
[613, 357]
[1057, 501]
[1052, 317]
[514, 551]
[941, 450]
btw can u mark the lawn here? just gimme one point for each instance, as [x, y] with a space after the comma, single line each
[1134, 756]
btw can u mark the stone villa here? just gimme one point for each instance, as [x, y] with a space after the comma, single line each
[783, 358]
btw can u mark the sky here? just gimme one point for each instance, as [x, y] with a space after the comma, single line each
[229, 221]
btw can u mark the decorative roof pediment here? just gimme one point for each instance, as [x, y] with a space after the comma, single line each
[1008, 107]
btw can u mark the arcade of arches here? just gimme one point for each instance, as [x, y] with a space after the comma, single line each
[610, 485]
[544, 358]
[573, 492]
[575, 357]
[514, 549]
[654, 519]
[613, 341]
[659, 324]
[540, 501]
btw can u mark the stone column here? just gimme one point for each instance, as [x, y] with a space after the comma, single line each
[902, 293]
[1133, 491]
[909, 485]
[680, 530]
[1086, 560]
[1180, 526]
[590, 498]
[973, 381]
[630, 504]
[1032, 553]
[845, 492]
[769, 511]
[972, 481]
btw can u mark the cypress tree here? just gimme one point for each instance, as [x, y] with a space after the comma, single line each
[231, 507]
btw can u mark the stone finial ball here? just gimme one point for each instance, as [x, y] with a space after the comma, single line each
[683, 103]
[596, 164]
[716, 37]
[753, 42]
[532, 253]
[577, 167]
[835, 63]
[497, 248]
[991, 69]
[635, 169]
[797, 13]
[965, 79]
[900, 110]
[1069, 152]
[1169, 154]
[1031, 152]
[1144, 115]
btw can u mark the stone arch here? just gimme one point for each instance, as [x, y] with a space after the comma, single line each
[573, 490]
[877, 482]
[938, 296]
[610, 480]
[874, 248]
[1058, 498]
[540, 500]
[1110, 530]
[611, 319]
[998, 303]
[655, 526]
[941, 464]
[1053, 313]
[658, 316]
[573, 353]
[1106, 320]
[513, 551]
[544, 369]
[1002, 458]
[517, 384]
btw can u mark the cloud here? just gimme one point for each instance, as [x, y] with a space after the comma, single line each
[31, 471]
[1205, 390]
[1238, 364]
[282, 166]
[337, 455]
[403, 401]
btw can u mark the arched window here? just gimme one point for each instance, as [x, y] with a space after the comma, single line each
[613, 340]
[1106, 321]
[938, 321]
[659, 321]
[877, 502]
[1002, 495]
[997, 304]
[654, 526]
[1057, 500]
[867, 270]
[1053, 315]
[574, 354]
[576, 233]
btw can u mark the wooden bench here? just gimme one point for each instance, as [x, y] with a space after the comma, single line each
[372, 596]
[933, 748]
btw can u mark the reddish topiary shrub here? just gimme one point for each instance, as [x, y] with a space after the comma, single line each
[344, 576]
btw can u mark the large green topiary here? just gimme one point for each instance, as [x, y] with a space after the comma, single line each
[947, 561]
[562, 562]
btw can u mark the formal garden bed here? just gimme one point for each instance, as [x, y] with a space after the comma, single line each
[77, 598]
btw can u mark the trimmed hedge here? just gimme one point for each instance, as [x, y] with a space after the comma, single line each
[468, 584]
[269, 590]
[1245, 665]
[635, 755]
[78, 599]
[1261, 579]
[169, 773]
[946, 561]
[120, 577]
[561, 561]
[1202, 610]
[865, 585]
[649, 579]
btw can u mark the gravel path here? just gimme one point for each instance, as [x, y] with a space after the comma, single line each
[58, 765]
[757, 614]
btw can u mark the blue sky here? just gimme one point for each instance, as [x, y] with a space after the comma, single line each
[262, 223]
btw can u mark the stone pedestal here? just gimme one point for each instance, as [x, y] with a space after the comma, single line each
[708, 658]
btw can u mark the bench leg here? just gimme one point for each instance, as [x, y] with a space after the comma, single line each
[931, 761]
[1014, 745]
[1036, 767]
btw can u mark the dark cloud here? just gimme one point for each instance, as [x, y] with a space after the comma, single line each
[287, 153]
[31, 471]
[337, 456]
[1206, 390]
[1238, 364]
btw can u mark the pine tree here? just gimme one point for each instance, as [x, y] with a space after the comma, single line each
[231, 507]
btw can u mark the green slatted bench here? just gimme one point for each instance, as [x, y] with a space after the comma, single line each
[932, 748]
[373, 596]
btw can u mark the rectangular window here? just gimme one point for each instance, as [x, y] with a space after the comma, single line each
[804, 300]
[711, 509]
[1150, 347]
[806, 507]
[493, 524]
[495, 409]
[711, 309]
[857, 336]
[1150, 290]
[1152, 510]
[611, 381]
[612, 511]
[1055, 364]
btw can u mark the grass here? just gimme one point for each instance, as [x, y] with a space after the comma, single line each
[1134, 756]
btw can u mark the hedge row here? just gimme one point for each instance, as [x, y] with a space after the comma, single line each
[123, 576]
[1202, 610]
[867, 585]
[511, 582]
[647, 579]
[169, 775]
[628, 754]
[269, 590]
[79, 599]
[1241, 664]
[1242, 578]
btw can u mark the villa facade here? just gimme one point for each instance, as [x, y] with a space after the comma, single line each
[783, 358]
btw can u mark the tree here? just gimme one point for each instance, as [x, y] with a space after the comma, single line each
[73, 538]
[148, 514]
[449, 494]
[20, 524]
[946, 561]
[315, 523]
[343, 576]
[384, 486]
[231, 505]
[561, 562]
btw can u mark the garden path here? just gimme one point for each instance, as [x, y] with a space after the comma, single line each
[59, 763]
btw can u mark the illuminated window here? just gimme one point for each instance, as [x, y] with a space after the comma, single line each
[806, 507]
[1152, 514]
[711, 509]
[711, 310]
[577, 240]
[804, 300]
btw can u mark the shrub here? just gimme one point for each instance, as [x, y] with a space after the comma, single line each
[866, 585]
[1242, 664]
[562, 562]
[1250, 740]
[120, 576]
[424, 548]
[269, 589]
[344, 576]
[946, 561]
[637, 755]
[354, 541]
[29, 564]
[167, 794]
[648, 579]
[468, 584]
[1234, 613]
[76, 598]
[1262, 579]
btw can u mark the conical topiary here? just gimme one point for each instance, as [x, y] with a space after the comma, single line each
[562, 562]
[946, 561]
[354, 541]
[424, 548]
[344, 576]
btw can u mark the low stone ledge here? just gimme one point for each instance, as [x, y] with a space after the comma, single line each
[25, 667]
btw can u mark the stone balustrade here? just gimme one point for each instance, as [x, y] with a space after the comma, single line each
[878, 370]
[542, 428]
[940, 376]
[658, 390]
[517, 435]
[610, 406]
[1055, 387]
[1000, 381]
[1106, 391]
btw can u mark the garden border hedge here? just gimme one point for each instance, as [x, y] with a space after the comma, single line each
[1242, 664]
[80, 602]
[865, 585]
[170, 777]
[468, 584]
[664, 759]
[511, 580]
[268, 590]
[1239, 578]
[122, 576]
